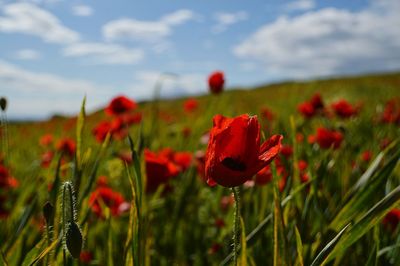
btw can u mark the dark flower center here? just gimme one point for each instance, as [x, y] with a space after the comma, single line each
[234, 164]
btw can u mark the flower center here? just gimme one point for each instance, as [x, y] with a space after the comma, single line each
[234, 164]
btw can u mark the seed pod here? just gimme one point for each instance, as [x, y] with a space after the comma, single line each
[3, 103]
[72, 234]
[48, 212]
[74, 240]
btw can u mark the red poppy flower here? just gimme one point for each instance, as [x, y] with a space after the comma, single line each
[392, 219]
[120, 105]
[226, 202]
[302, 165]
[46, 140]
[102, 181]
[391, 113]
[299, 137]
[159, 169]
[286, 150]
[216, 82]
[384, 143]
[316, 101]
[6, 180]
[214, 248]
[306, 109]
[67, 146]
[219, 223]
[131, 119]
[47, 157]
[344, 109]
[328, 138]
[119, 129]
[267, 114]
[109, 198]
[183, 159]
[190, 105]
[101, 130]
[234, 153]
[366, 156]
[86, 257]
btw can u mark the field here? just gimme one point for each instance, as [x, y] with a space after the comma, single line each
[133, 190]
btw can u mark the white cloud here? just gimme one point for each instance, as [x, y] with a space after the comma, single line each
[36, 95]
[82, 10]
[300, 5]
[132, 29]
[172, 85]
[29, 19]
[178, 17]
[328, 41]
[224, 20]
[27, 54]
[104, 53]
[19, 80]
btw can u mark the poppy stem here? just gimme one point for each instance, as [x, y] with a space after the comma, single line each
[236, 225]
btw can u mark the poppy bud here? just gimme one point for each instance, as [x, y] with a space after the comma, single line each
[3, 103]
[48, 212]
[73, 240]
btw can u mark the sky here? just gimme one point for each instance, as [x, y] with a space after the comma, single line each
[54, 52]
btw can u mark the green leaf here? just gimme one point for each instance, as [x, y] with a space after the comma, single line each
[324, 253]
[367, 221]
[243, 254]
[299, 247]
[363, 199]
[281, 256]
[79, 131]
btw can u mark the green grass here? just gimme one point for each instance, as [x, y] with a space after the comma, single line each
[335, 218]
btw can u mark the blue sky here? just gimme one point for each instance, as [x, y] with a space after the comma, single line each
[53, 52]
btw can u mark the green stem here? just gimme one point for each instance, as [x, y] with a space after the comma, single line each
[236, 225]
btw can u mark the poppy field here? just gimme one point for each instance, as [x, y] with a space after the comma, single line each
[295, 173]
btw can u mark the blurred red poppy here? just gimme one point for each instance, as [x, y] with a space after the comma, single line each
[366, 156]
[120, 105]
[267, 114]
[101, 130]
[110, 198]
[306, 109]
[302, 165]
[47, 157]
[131, 119]
[391, 113]
[159, 169]
[286, 150]
[183, 159]
[67, 146]
[216, 82]
[392, 219]
[344, 109]
[234, 153]
[328, 138]
[119, 128]
[86, 257]
[316, 101]
[190, 105]
[6, 180]
[46, 140]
